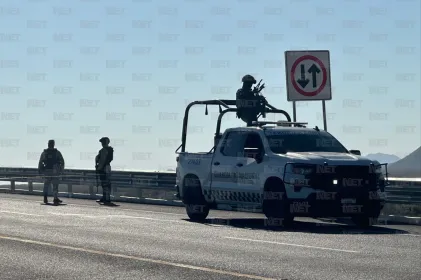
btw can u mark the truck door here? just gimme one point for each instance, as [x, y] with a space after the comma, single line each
[223, 166]
[250, 172]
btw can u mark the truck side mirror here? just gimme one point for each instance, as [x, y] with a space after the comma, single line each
[355, 152]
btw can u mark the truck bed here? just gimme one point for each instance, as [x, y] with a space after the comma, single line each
[195, 160]
[199, 164]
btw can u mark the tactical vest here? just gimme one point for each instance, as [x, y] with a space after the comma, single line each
[110, 155]
[51, 158]
[247, 105]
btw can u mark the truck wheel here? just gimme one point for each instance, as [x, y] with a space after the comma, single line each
[196, 206]
[276, 206]
[368, 217]
[364, 221]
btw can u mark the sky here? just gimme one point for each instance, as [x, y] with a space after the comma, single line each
[76, 71]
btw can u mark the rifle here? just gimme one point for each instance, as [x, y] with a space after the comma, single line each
[96, 177]
[262, 100]
[258, 88]
[96, 172]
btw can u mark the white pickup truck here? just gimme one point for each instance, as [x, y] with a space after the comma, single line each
[284, 172]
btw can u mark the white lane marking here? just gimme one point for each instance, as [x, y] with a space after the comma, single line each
[168, 263]
[144, 218]
[290, 244]
[417, 235]
[231, 216]
[20, 213]
[74, 215]
[94, 216]
[114, 216]
[96, 207]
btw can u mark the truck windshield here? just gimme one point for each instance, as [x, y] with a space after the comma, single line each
[281, 142]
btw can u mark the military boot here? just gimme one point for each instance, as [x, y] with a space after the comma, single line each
[102, 198]
[107, 197]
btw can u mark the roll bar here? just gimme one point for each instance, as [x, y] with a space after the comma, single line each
[218, 102]
[275, 111]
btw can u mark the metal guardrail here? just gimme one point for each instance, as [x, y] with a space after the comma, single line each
[140, 185]
[79, 183]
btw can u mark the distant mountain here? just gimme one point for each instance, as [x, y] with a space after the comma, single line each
[409, 166]
[383, 158]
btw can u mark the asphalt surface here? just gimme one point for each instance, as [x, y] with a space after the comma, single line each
[83, 240]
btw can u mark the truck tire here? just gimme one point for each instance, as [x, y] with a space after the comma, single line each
[370, 214]
[364, 221]
[196, 206]
[276, 206]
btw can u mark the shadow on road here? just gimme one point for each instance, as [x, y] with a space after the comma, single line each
[300, 226]
[108, 205]
[52, 204]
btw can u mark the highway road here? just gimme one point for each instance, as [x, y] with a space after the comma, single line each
[83, 240]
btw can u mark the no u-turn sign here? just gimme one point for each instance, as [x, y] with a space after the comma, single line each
[308, 75]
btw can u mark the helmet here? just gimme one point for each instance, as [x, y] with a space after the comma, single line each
[104, 140]
[248, 79]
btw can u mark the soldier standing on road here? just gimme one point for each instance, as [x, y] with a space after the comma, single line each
[51, 165]
[103, 169]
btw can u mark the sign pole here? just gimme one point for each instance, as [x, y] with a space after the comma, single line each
[324, 115]
[294, 111]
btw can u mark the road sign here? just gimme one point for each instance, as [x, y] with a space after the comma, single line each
[308, 75]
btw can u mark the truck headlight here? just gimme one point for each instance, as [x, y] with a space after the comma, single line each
[301, 169]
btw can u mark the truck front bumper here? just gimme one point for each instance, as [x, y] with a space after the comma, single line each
[322, 205]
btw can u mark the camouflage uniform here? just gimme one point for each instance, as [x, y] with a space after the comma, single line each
[247, 101]
[51, 165]
[103, 168]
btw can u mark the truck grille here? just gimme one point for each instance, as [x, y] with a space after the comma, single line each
[348, 176]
